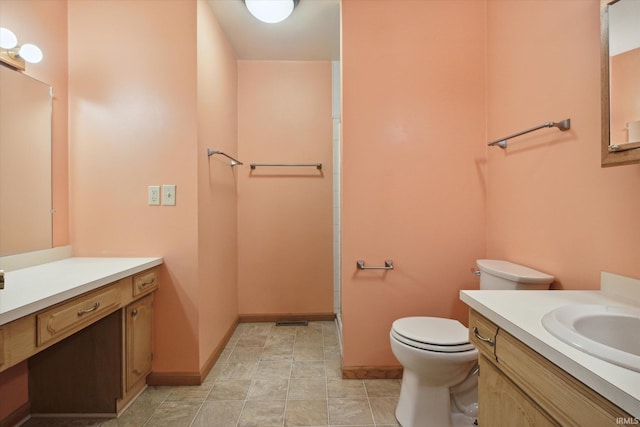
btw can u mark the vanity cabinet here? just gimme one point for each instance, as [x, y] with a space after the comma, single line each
[518, 386]
[500, 400]
[89, 354]
[138, 336]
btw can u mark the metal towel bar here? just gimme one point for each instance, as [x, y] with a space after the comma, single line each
[315, 165]
[563, 126]
[234, 162]
[388, 265]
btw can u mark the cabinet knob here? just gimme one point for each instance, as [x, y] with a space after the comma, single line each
[134, 312]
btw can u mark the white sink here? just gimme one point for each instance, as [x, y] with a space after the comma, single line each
[610, 333]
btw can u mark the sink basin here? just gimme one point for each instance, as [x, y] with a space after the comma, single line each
[610, 333]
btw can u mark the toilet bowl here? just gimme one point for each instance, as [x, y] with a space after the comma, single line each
[436, 355]
[439, 381]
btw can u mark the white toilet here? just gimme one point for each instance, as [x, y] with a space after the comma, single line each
[439, 382]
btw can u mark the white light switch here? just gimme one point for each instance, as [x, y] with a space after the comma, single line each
[169, 194]
[153, 197]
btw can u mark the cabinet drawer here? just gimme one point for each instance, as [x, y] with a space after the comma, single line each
[63, 320]
[1, 347]
[482, 333]
[145, 282]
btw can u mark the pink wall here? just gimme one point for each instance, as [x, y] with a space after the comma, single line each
[625, 92]
[217, 183]
[414, 183]
[45, 24]
[285, 214]
[133, 123]
[550, 204]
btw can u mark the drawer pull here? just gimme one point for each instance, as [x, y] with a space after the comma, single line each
[89, 310]
[481, 338]
[134, 312]
[147, 283]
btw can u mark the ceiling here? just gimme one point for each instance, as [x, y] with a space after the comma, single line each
[311, 33]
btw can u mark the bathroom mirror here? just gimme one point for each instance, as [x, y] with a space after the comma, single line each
[25, 163]
[620, 73]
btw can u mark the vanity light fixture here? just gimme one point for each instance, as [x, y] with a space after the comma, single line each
[14, 55]
[271, 11]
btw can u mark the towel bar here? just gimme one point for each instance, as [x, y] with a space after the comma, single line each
[388, 265]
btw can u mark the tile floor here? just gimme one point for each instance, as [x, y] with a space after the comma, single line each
[266, 376]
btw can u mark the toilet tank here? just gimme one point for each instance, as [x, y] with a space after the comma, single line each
[498, 274]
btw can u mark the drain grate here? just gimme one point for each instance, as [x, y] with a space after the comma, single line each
[292, 323]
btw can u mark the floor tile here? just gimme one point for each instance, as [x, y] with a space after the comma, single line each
[307, 389]
[343, 412]
[306, 413]
[339, 388]
[219, 413]
[268, 389]
[262, 413]
[174, 414]
[383, 388]
[273, 369]
[238, 371]
[308, 369]
[384, 410]
[229, 390]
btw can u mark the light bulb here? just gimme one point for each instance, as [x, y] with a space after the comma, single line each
[8, 40]
[30, 53]
[270, 11]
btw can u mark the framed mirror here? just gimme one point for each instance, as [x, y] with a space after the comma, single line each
[25, 163]
[620, 74]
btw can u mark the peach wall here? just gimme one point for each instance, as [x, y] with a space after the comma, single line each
[625, 93]
[413, 75]
[550, 204]
[285, 214]
[217, 195]
[45, 24]
[133, 123]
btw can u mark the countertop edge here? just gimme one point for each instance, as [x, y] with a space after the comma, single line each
[592, 380]
[75, 291]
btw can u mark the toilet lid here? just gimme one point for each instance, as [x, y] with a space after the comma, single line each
[433, 333]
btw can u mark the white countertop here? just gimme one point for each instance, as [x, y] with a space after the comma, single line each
[520, 314]
[34, 288]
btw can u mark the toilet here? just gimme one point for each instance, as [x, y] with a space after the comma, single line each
[439, 382]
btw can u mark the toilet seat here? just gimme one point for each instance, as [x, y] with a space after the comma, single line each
[432, 334]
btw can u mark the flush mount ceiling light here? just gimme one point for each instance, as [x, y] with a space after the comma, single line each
[271, 11]
[14, 55]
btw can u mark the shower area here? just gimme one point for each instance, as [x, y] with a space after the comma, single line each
[289, 196]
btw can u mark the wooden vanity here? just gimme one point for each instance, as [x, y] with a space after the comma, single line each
[529, 378]
[88, 344]
[516, 383]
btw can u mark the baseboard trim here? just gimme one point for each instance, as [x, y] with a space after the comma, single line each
[18, 416]
[371, 372]
[283, 317]
[211, 361]
[192, 378]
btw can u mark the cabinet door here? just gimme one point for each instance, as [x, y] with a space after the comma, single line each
[139, 316]
[503, 404]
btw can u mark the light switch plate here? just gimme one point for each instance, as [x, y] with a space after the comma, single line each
[169, 194]
[153, 197]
